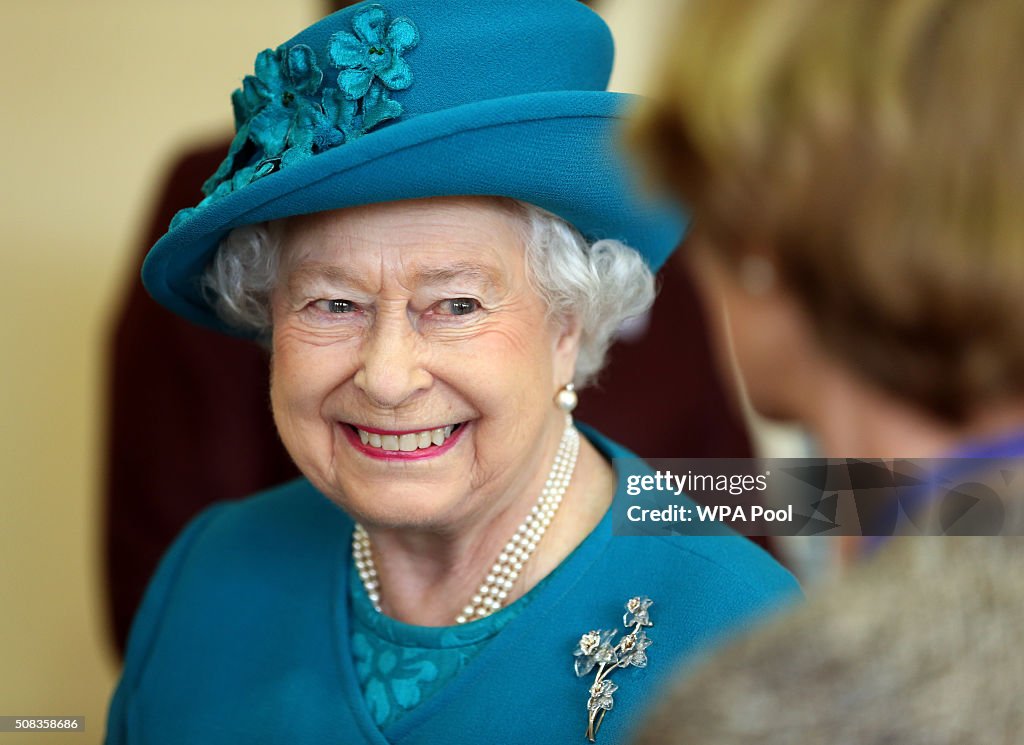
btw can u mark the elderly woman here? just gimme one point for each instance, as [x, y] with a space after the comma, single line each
[423, 215]
[856, 174]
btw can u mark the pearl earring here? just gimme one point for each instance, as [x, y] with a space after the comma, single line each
[567, 399]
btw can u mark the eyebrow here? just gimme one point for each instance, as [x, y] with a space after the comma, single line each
[332, 273]
[344, 276]
[456, 271]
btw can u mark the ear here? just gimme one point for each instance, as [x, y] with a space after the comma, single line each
[567, 349]
[763, 338]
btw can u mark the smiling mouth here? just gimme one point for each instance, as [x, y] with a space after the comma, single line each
[406, 442]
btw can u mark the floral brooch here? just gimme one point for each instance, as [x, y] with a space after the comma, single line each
[595, 649]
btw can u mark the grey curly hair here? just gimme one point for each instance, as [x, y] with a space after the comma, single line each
[600, 284]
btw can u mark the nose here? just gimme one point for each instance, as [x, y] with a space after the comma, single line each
[391, 370]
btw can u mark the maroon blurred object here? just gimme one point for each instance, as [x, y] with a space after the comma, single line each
[661, 395]
[190, 420]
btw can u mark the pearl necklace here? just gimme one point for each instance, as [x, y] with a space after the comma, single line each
[510, 562]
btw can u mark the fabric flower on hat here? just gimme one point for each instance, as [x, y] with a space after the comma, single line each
[378, 106]
[266, 108]
[372, 52]
[285, 113]
[269, 98]
[317, 128]
[282, 83]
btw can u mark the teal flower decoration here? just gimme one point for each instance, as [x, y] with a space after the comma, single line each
[223, 173]
[316, 129]
[285, 112]
[373, 52]
[281, 75]
[267, 107]
[379, 107]
[343, 112]
[301, 69]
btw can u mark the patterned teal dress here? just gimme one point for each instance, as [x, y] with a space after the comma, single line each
[399, 665]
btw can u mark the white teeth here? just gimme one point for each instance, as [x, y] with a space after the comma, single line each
[408, 442]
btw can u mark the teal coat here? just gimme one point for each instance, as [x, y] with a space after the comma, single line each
[243, 634]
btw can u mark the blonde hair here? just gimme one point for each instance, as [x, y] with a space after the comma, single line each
[875, 148]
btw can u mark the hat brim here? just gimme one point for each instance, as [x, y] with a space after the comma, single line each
[556, 150]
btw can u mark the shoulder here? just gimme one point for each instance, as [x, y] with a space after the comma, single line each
[719, 580]
[285, 514]
[297, 502]
[286, 535]
[731, 561]
[727, 557]
[247, 587]
[237, 556]
[289, 520]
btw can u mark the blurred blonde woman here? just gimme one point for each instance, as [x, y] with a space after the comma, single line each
[856, 175]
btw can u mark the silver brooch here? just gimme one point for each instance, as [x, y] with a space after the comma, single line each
[595, 649]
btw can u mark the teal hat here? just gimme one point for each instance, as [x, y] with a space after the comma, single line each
[404, 99]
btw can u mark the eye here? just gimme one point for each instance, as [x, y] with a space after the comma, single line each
[459, 306]
[335, 306]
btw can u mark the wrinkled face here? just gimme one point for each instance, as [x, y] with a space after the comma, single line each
[414, 367]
